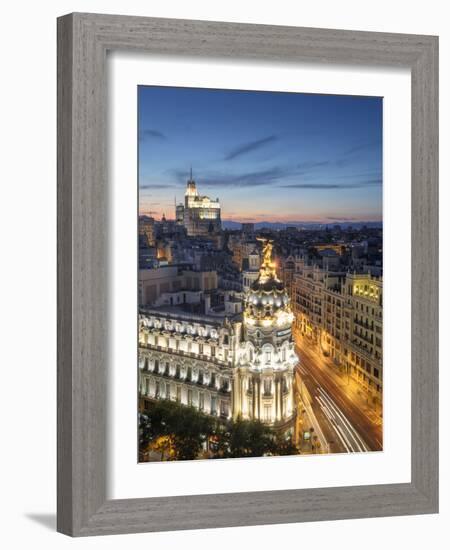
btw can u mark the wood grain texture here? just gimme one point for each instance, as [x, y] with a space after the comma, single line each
[83, 194]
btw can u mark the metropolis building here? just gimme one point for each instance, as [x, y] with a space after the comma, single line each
[200, 215]
[233, 363]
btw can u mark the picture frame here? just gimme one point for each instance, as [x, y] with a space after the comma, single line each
[83, 508]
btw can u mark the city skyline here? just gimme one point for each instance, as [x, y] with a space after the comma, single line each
[269, 156]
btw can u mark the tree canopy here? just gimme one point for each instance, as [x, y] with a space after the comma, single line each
[179, 432]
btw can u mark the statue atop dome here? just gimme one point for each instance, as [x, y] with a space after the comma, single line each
[267, 269]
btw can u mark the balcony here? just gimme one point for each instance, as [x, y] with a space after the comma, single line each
[367, 339]
[363, 324]
[182, 353]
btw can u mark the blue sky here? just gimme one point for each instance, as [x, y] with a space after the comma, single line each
[268, 156]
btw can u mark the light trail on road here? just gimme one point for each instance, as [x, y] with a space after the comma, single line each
[341, 424]
[346, 425]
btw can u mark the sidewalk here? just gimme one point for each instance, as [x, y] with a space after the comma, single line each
[344, 381]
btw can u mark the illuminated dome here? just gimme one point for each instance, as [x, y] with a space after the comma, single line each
[267, 303]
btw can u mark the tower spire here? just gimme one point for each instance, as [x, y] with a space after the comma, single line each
[191, 173]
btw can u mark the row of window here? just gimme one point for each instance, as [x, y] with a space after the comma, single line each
[267, 386]
[179, 328]
[188, 374]
[190, 347]
[164, 390]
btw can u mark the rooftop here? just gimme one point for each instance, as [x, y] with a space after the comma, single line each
[216, 316]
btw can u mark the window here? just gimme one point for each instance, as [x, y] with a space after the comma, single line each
[189, 398]
[267, 386]
[224, 408]
[200, 349]
[167, 391]
[179, 394]
[213, 405]
[267, 414]
[268, 356]
[213, 351]
[201, 401]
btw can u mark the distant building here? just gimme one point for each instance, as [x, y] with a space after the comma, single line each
[248, 228]
[250, 269]
[200, 215]
[174, 285]
[147, 229]
[286, 271]
[241, 246]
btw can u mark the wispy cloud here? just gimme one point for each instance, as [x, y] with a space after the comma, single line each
[145, 186]
[324, 186]
[148, 212]
[310, 165]
[242, 179]
[363, 146]
[150, 133]
[346, 219]
[247, 179]
[250, 146]
[277, 176]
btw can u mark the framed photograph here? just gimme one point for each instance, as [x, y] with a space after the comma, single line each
[247, 274]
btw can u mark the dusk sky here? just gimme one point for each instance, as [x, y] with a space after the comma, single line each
[268, 156]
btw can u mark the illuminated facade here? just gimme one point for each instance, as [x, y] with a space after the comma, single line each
[147, 229]
[200, 215]
[250, 272]
[265, 376]
[342, 313]
[228, 365]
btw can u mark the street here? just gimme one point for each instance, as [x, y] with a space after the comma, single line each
[346, 421]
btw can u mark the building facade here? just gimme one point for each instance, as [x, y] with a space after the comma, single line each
[250, 271]
[342, 314]
[200, 215]
[227, 364]
[147, 229]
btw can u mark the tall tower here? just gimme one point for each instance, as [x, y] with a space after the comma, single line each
[201, 215]
[264, 386]
[191, 192]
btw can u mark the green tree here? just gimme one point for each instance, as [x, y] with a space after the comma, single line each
[284, 447]
[249, 438]
[186, 428]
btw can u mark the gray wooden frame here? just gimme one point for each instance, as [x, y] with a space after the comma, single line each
[83, 41]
